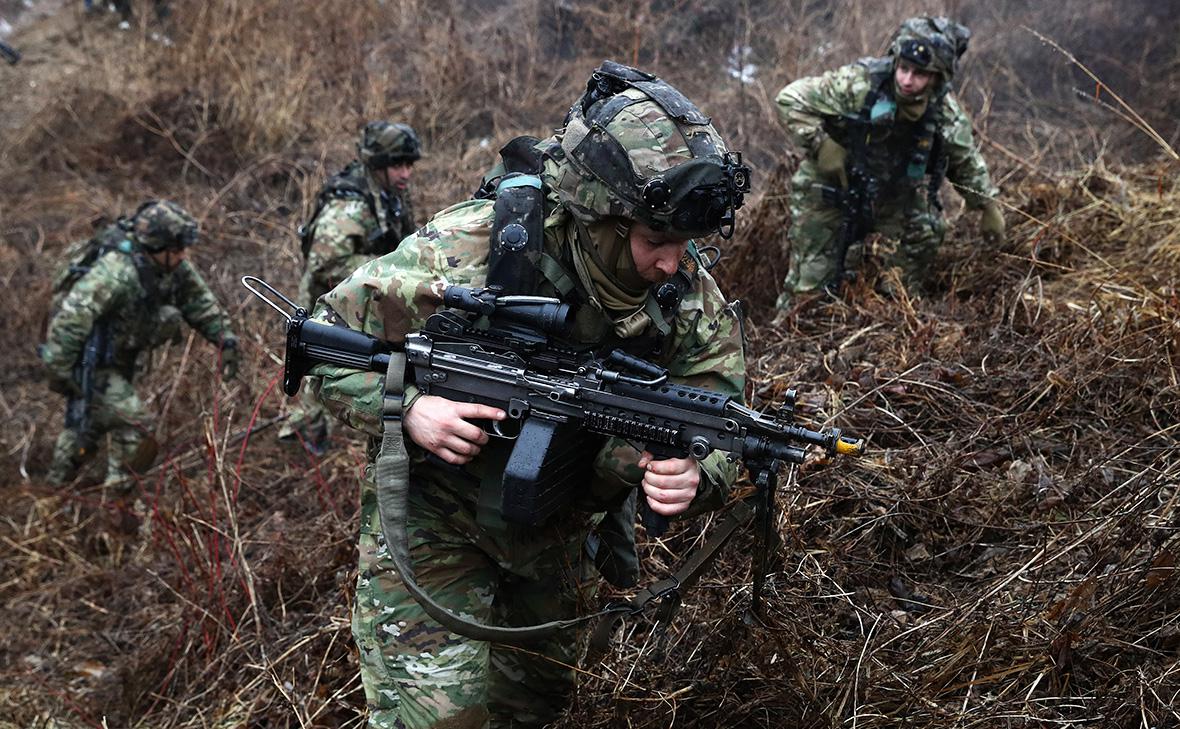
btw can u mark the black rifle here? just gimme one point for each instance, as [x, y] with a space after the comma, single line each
[856, 202]
[552, 392]
[95, 353]
[9, 53]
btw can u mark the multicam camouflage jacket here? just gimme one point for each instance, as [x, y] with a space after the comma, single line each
[394, 295]
[805, 104]
[131, 301]
[352, 229]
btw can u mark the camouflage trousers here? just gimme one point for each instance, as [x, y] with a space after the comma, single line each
[117, 411]
[417, 674]
[911, 221]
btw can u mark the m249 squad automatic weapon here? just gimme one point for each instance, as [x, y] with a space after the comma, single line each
[510, 352]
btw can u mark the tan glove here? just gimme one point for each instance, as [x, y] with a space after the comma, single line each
[991, 224]
[830, 161]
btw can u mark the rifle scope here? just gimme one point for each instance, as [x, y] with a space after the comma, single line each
[540, 313]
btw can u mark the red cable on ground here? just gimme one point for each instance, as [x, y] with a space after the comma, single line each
[249, 430]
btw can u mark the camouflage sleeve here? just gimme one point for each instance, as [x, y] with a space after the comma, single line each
[804, 104]
[341, 230]
[199, 305]
[708, 352]
[391, 296]
[100, 291]
[966, 167]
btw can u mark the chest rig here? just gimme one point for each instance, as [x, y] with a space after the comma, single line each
[899, 154]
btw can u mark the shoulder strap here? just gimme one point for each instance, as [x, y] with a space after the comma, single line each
[393, 484]
[517, 238]
[348, 183]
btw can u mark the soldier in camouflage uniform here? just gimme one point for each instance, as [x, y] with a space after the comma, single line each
[138, 285]
[912, 133]
[361, 213]
[612, 230]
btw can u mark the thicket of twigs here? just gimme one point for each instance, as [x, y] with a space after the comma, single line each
[1004, 556]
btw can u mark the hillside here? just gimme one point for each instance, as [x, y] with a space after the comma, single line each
[1004, 556]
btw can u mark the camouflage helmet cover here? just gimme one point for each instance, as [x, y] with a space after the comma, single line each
[384, 144]
[161, 225]
[636, 148]
[932, 44]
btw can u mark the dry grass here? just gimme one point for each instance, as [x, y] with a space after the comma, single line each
[1022, 420]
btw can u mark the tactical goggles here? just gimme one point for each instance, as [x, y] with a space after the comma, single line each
[407, 154]
[184, 239]
[379, 161]
[697, 198]
[925, 52]
[693, 199]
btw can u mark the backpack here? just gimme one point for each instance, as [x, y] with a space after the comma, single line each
[349, 183]
[82, 255]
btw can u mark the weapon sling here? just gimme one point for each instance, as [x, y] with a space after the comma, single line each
[393, 486]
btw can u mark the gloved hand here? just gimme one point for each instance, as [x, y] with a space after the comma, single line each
[168, 329]
[230, 358]
[830, 161]
[991, 224]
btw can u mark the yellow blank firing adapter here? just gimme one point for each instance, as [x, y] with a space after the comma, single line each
[846, 446]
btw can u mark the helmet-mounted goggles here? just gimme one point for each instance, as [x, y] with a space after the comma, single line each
[928, 53]
[693, 199]
[696, 198]
[156, 241]
[917, 52]
[408, 153]
[160, 225]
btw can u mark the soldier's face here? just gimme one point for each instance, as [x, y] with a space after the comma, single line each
[169, 258]
[911, 80]
[656, 254]
[397, 177]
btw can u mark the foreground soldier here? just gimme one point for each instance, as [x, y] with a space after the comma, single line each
[891, 129]
[361, 213]
[635, 174]
[122, 294]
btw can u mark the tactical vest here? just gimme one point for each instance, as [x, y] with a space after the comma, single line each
[900, 154]
[82, 256]
[352, 183]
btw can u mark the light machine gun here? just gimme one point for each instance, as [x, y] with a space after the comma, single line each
[511, 355]
[95, 354]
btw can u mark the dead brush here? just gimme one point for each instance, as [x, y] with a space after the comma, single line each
[1005, 557]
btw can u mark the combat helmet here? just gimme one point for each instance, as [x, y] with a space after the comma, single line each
[161, 225]
[931, 44]
[636, 148]
[385, 144]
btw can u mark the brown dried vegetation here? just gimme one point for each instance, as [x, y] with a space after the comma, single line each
[1004, 556]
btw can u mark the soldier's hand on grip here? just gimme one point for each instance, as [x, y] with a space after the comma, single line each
[830, 162]
[442, 427]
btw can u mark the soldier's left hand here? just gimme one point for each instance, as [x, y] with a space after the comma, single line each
[671, 484]
[831, 162]
[229, 358]
[991, 224]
